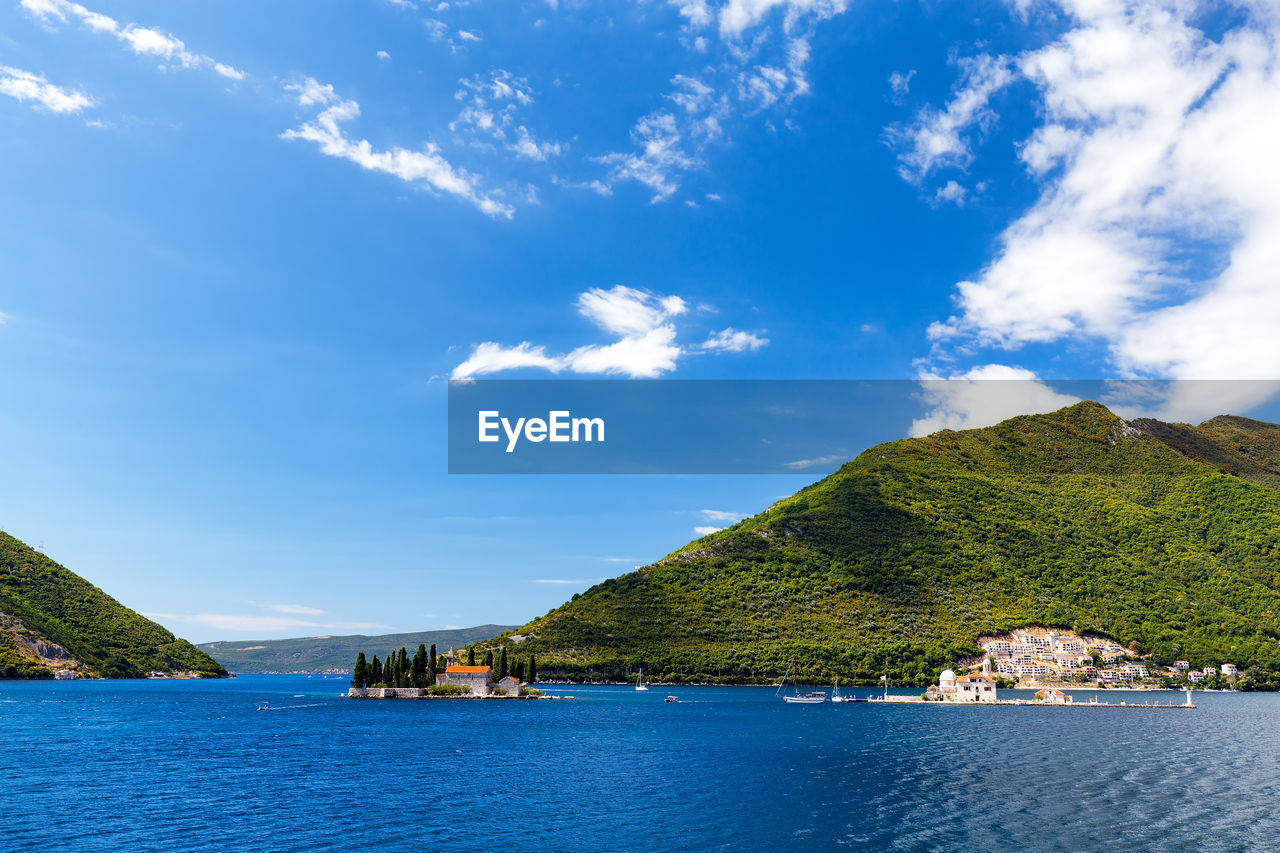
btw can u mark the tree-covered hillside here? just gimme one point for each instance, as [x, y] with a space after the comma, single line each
[1167, 536]
[50, 617]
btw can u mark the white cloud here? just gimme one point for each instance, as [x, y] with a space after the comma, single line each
[733, 340]
[270, 624]
[567, 580]
[984, 396]
[491, 106]
[144, 41]
[660, 159]
[901, 83]
[468, 36]
[707, 531]
[426, 167]
[1156, 145]
[627, 311]
[951, 192]
[721, 515]
[642, 321]
[935, 140]
[490, 357]
[737, 16]
[383, 55]
[27, 86]
[296, 608]
[803, 464]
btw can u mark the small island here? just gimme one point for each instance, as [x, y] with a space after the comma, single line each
[421, 677]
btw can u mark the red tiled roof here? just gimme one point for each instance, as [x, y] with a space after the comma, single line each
[478, 670]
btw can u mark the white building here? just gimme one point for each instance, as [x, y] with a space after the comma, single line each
[975, 688]
[1181, 665]
[1229, 670]
[947, 683]
[1050, 696]
[1196, 675]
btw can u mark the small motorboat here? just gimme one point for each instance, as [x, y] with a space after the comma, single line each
[671, 699]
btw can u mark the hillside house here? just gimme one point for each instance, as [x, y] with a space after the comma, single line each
[1229, 670]
[508, 686]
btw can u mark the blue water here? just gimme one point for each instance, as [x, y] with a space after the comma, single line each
[192, 765]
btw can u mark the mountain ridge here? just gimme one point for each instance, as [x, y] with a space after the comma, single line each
[1161, 534]
[330, 654]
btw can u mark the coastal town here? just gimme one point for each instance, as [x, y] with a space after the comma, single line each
[1030, 657]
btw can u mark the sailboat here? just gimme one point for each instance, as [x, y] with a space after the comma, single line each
[837, 696]
[796, 697]
[640, 685]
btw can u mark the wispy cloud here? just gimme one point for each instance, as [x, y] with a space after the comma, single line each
[567, 580]
[28, 86]
[492, 103]
[707, 531]
[761, 50]
[240, 624]
[803, 464]
[721, 515]
[937, 138]
[1154, 141]
[733, 340]
[144, 41]
[426, 167]
[296, 608]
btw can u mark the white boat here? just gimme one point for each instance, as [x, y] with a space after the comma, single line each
[640, 685]
[837, 696]
[796, 697]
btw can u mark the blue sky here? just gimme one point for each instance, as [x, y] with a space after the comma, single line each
[245, 246]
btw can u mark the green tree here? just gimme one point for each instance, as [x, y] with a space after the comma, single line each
[420, 666]
[502, 664]
[431, 674]
[405, 673]
[488, 659]
[532, 672]
[471, 655]
[360, 676]
[376, 675]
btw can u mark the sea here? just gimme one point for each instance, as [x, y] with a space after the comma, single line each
[194, 765]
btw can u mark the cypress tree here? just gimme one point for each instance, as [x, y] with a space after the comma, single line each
[471, 655]
[406, 674]
[532, 672]
[420, 666]
[517, 669]
[502, 664]
[360, 676]
[488, 659]
[376, 676]
[431, 676]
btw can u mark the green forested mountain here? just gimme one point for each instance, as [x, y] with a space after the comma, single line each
[333, 654]
[1163, 535]
[52, 619]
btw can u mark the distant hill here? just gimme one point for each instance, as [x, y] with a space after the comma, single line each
[1165, 537]
[53, 619]
[334, 654]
